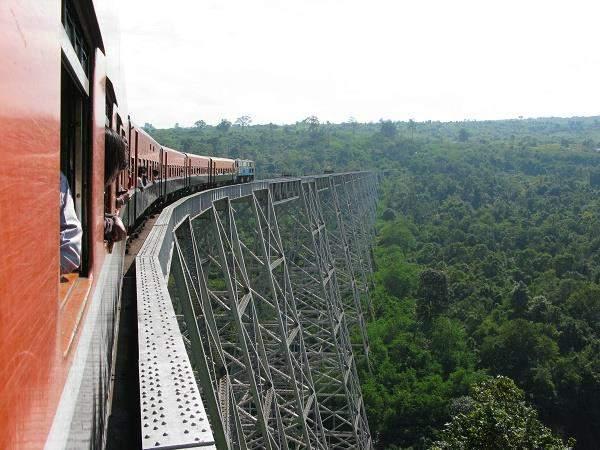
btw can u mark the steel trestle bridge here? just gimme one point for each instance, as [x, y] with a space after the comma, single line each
[247, 299]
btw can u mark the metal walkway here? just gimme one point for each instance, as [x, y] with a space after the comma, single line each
[247, 296]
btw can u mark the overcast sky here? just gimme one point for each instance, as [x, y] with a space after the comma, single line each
[281, 61]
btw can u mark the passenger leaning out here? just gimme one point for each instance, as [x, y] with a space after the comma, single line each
[116, 160]
[142, 178]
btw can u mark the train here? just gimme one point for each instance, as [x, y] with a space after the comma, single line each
[171, 173]
[62, 92]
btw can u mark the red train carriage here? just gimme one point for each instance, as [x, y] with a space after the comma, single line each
[56, 333]
[223, 170]
[175, 163]
[145, 172]
[198, 170]
[145, 154]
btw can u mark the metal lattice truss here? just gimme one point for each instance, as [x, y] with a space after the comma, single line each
[268, 288]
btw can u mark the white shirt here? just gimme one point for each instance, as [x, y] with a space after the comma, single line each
[70, 230]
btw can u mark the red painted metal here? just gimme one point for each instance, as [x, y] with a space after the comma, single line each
[32, 369]
[176, 162]
[223, 165]
[148, 151]
[37, 333]
[198, 164]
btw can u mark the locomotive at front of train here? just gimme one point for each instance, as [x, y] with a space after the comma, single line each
[61, 89]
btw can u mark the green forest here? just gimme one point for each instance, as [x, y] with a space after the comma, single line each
[485, 329]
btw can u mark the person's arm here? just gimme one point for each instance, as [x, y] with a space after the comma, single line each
[114, 230]
[70, 230]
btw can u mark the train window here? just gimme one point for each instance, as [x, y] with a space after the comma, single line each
[75, 154]
[74, 30]
[108, 112]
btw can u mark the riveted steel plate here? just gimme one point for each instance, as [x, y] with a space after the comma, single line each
[172, 413]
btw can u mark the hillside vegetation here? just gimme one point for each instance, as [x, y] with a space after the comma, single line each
[486, 308]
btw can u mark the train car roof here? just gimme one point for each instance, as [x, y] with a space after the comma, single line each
[172, 150]
[225, 160]
[194, 156]
[144, 132]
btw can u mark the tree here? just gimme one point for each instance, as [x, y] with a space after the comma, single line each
[519, 349]
[186, 144]
[432, 295]
[176, 125]
[243, 121]
[149, 127]
[463, 135]
[388, 214]
[563, 263]
[224, 126]
[387, 128]
[595, 178]
[449, 344]
[519, 299]
[353, 124]
[313, 124]
[498, 419]
[411, 127]
[200, 124]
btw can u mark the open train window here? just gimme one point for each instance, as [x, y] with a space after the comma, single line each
[75, 158]
[79, 37]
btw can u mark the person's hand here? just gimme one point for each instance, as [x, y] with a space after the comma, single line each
[122, 199]
[118, 232]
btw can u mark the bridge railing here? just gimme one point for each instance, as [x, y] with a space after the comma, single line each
[172, 411]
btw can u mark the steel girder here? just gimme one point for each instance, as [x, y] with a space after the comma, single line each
[266, 288]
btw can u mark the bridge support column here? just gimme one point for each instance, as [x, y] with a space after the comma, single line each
[314, 278]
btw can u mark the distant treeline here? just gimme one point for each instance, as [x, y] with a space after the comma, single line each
[310, 146]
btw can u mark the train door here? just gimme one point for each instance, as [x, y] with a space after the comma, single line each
[189, 171]
[161, 175]
[135, 170]
[167, 174]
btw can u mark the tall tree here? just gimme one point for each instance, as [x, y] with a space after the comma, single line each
[432, 295]
[519, 299]
[498, 418]
[313, 124]
[243, 121]
[224, 126]
[411, 127]
[388, 128]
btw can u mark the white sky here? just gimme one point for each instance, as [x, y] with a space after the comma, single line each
[281, 61]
